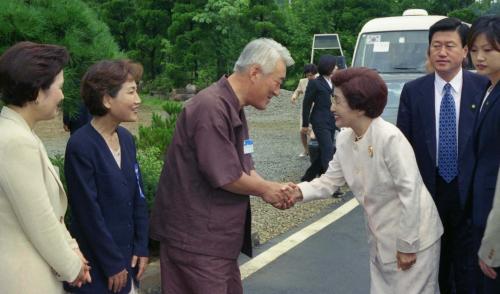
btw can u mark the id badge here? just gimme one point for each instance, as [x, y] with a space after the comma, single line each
[248, 146]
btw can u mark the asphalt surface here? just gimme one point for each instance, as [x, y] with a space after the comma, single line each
[333, 261]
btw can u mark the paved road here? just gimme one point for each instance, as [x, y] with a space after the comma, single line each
[335, 260]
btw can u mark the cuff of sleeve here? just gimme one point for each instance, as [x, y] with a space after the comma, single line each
[307, 191]
[406, 247]
[141, 251]
[73, 271]
[488, 255]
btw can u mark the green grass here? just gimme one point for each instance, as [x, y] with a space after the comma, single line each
[152, 102]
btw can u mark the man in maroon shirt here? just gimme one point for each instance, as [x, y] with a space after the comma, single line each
[201, 214]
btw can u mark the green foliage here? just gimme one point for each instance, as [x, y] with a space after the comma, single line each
[151, 162]
[152, 141]
[58, 162]
[70, 23]
[161, 131]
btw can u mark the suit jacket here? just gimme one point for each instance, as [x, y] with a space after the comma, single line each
[36, 250]
[382, 173]
[318, 92]
[109, 210]
[486, 142]
[416, 119]
[490, 246]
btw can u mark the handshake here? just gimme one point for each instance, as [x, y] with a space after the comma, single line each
[282, 195]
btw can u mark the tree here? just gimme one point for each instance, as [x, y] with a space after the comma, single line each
[70, 23]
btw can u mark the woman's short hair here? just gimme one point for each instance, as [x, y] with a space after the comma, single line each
[26, 68]
[326, 64]
[106, 78]
[490, 27]
[264, 52]
[310, 68]
[363, 89]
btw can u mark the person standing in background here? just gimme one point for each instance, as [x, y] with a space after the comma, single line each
[484, 44]
[310, 72]
[318, 97]
[436, 114]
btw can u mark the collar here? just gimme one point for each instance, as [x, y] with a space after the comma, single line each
[229, 95]
[16, 117]
[456, 83]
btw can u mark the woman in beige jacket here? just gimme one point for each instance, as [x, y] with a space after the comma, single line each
[36, 251]
[378, 164]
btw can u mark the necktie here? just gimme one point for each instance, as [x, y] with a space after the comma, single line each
[447, 148]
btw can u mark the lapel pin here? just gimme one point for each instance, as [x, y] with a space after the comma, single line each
[370, 151]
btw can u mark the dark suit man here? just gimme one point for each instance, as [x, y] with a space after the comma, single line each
[319, 92]
[436, 113]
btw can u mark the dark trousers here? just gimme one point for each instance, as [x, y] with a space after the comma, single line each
[483, 284]
[184, 272]
[315, 169]
[456, 265]
[326, 143]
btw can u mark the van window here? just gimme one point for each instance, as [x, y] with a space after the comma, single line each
[389, 52]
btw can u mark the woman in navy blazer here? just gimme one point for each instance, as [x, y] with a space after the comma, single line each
[319, 92]
[109, 210]
[484, 45]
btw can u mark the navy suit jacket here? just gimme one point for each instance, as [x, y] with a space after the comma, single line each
[108, 210]
[486, 142]
[417, 120]
[318, 92]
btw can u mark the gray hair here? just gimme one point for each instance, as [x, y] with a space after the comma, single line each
[264, 52]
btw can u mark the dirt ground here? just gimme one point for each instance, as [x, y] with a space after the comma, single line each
[52, 133]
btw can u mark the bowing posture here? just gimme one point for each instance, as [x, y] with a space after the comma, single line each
[109, 210]
[378, 164]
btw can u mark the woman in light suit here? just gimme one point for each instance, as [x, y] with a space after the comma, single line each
[374, 158]
[36, 251]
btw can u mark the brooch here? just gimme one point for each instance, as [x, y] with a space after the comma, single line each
[370, 151]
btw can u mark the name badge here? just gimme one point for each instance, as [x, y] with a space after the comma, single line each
[248, 146]
[137, 177]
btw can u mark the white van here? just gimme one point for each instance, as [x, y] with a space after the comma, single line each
[397, 48]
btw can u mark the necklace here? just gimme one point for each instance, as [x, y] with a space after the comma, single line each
[357, 138]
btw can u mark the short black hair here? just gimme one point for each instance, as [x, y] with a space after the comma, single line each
[310, 68]
[489, 26]
[450, 24]
[326, 64]
[27, 68]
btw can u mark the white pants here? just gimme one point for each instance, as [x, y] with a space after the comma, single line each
[421, 278]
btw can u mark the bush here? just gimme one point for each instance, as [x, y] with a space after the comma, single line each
[151, 162]
[152, 142]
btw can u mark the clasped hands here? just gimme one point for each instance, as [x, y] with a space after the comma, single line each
[84, 275]
[282, 195]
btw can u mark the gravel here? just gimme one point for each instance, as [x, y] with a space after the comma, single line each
[275, 132]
